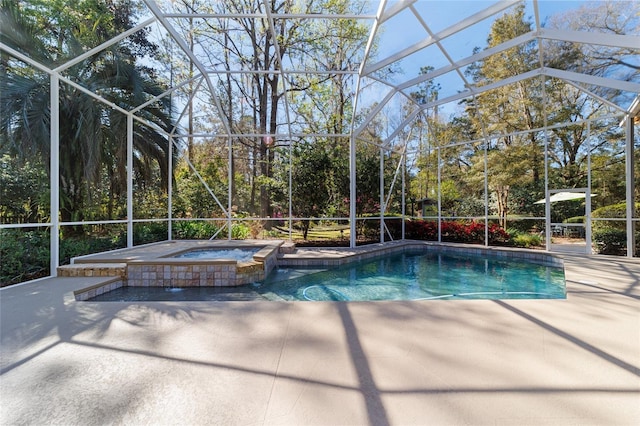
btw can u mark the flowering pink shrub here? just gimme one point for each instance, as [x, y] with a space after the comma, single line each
[498, 234]
[459, 232]
[421, 230]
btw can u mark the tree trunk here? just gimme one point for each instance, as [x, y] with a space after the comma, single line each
[502, 193]
[305, 229]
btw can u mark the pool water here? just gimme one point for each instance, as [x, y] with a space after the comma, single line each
[406, 276]
[240, 255]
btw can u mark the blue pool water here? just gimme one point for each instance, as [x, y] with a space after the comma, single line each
[240, 255]
[407, 276]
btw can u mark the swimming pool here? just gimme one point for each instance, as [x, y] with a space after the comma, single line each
[413, 275]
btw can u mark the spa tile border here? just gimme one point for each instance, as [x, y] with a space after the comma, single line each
[90, 292]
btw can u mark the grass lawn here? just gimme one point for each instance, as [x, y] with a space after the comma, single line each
[316, 233]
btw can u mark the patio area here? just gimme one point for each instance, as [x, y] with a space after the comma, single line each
[524, 362]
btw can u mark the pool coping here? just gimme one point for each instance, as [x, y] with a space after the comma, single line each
[311, 256]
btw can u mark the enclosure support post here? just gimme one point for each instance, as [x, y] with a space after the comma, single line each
[352, 140]
[629, 169]
[382, 206]
[130, 180]
[486, 190]
[404, 189]
[290, 224]
[352, 191]
[547, 202]
[170, 190]
[587, 206]
[54, 175]
[486, 177]
[439, 198]
[229, 187]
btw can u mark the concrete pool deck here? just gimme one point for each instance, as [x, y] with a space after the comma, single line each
[516, 362]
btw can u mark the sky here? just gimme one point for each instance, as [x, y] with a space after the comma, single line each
[404, 30]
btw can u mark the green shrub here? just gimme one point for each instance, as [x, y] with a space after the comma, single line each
[24, 254]
[521, 225]
[614, 211]
[194, 230]
[527, 240]
[240, 231]
[514, 232]
[610, 241]
[70, 248]
[368, 229]
[149, 232]
[575, 219]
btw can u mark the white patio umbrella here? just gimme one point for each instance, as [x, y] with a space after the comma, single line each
[564, 196]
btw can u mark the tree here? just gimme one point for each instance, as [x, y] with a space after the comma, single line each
[191, 197]
[253, 102]
[310, 183]
[264, 93]
[428, 129]
[323, 103]
[513, 108]
[92, 135]
[570, 145]
[23, 186]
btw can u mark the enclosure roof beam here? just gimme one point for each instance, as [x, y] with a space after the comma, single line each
[438, 43]
[286, 71]
[93, 95]
[627, 86]
[634, 109]
[111, 104]
[395, 9]
[471, 90]
[601, 39]
[104, 45]
[276, 136]
[453, 29]
[598, 97]
[402, 125]
[274, 15]
[276, 45]
[375, 110]
[541, 47]
[551, 72]
[167, 92]
[11, 51]
[524, 38]
[155, 9]
[528, 131]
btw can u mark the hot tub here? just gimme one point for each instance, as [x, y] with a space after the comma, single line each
[215, 266]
